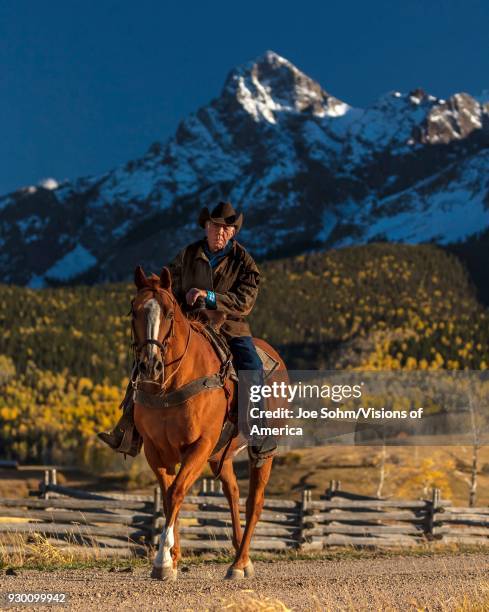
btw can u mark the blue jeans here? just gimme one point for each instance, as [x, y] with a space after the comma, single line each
[244, 353]
[245, 357]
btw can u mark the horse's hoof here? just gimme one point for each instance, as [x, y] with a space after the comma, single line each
[235, 574]
[164, 573]
[249, 570]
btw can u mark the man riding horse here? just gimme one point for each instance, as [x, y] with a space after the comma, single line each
[218, 273]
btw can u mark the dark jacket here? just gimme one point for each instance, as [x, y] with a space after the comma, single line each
[234, 280]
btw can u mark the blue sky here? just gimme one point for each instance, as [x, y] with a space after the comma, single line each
[89, 85]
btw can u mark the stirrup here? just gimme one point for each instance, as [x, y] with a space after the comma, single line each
[228, 432]
[131, 442]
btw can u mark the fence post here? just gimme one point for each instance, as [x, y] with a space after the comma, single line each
[432, 508]
[329, 491]
[45, 485]
[50, 478]
[334, 485]
[205, 485]
[303, 512]
[156, 515]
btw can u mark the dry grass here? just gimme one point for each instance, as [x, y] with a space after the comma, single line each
[37, 550]
[40, 552]
[16, 551]
[250, 602]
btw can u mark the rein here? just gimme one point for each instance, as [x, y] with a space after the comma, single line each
[165, 382]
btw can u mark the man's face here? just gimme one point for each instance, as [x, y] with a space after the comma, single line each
[218, 235]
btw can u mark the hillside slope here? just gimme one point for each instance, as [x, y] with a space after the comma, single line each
[377, 305]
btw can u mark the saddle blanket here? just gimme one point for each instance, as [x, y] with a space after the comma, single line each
[221, 347]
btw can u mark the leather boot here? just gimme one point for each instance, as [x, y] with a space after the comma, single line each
[261, 447]
[124, 438]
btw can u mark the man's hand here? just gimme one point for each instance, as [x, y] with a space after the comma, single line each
[193, 294]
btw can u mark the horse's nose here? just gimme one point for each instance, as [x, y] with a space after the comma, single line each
[152, 369]
[143, 367]
[157, 367]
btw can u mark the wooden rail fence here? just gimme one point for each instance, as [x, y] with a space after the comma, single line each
[122, 525]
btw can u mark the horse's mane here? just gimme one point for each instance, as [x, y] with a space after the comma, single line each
[153, 284]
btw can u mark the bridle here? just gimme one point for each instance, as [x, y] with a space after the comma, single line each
[163, 345]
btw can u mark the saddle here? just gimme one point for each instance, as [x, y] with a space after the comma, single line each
[212, 321]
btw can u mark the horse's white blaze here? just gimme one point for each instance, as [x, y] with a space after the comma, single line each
[153, 313]
[167, 540]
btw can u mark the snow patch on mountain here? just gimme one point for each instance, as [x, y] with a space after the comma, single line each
[389, 123]
[328, 222]
[321, 146]
[36, 282]
[71, 265]
[49, 183]
[122, 229]
[127, 185]
[426, 212]
[6, 201]
[31, 227]
[447, 217]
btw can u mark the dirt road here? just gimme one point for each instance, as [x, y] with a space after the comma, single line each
[440, 582]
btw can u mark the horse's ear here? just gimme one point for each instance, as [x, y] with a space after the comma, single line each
[165, 279]
[140, 278]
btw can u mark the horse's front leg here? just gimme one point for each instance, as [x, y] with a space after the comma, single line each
[194, 459]
[165, 480]
[168, 554]
[259, 477]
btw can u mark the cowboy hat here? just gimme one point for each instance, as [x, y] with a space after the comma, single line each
[223, 213]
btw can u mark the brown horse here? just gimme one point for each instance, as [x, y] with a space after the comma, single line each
[172, 352]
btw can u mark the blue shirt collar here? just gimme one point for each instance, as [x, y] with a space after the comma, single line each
[217, 255]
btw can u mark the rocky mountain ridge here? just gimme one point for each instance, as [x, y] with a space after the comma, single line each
[309, 171]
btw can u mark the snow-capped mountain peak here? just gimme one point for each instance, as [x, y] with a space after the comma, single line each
[271, 85]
